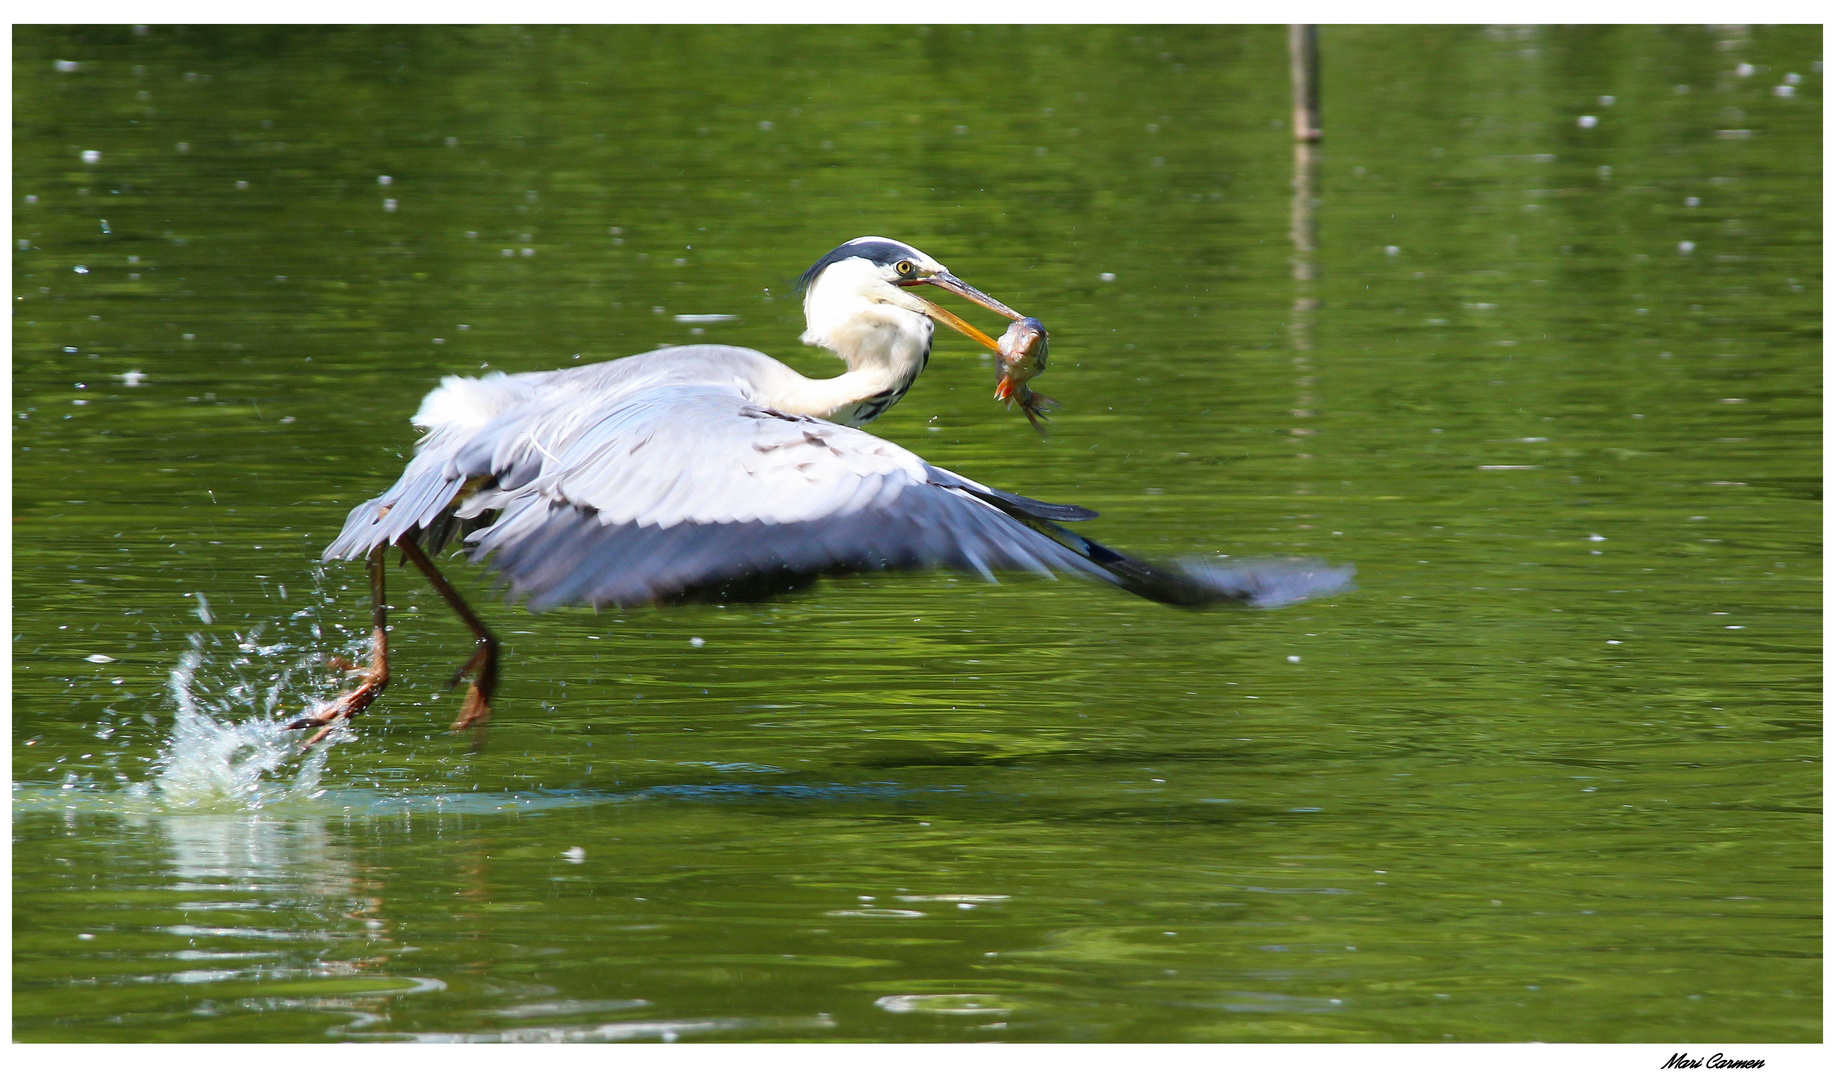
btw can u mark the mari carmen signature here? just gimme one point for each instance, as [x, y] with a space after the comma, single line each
[1712, 1061]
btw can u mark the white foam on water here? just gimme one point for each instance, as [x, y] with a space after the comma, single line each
[229, 747]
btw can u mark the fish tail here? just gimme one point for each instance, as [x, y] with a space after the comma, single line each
[1035, 406]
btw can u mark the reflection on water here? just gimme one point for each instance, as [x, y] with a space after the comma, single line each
[247, 915]
[249, 849]
[661, 1030]
[953, 1004]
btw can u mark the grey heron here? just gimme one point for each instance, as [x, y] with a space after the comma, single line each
[711, 473]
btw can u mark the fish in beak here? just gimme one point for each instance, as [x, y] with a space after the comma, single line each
[1020, 356]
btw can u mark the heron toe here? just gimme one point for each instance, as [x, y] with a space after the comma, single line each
[476, 712]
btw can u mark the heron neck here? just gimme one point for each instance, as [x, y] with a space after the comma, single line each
[852, 398]
[885, 347]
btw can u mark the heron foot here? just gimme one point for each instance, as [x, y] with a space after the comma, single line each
[486, 652]
[317, 735]
[375, 678]
[475, 712]
[323, 720]
[477, 707]
[482, 665]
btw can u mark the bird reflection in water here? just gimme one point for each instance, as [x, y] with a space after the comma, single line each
[280, 907]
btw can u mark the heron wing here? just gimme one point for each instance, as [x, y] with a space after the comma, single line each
[456, 415]
[695, 492]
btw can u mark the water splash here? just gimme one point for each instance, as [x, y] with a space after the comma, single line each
[230, 747]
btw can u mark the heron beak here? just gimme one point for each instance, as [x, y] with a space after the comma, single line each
[950, 283]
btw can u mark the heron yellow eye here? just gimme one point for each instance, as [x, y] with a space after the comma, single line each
[903, 268]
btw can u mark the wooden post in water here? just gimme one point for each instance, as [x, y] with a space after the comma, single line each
[1303, 54]
[1303, 59]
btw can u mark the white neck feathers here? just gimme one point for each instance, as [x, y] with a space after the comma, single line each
[854, 312]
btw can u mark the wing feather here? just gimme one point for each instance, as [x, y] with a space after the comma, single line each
[678, 492]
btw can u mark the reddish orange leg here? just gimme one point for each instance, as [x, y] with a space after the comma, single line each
[483, 662]
[375, 677]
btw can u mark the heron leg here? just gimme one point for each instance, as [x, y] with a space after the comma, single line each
[375, 676]
[482, 664]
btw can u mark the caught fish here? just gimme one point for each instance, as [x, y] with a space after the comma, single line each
[1022, 356]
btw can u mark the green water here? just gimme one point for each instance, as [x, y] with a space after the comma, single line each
[1552, 773]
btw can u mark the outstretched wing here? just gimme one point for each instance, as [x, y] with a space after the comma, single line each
[693, 492]
[689, 492]
[696, 493]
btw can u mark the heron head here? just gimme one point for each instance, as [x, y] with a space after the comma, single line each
[852, 279]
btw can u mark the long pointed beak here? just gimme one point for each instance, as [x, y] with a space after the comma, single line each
[951, 283]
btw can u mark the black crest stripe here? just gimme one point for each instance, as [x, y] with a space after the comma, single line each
[882, 252]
